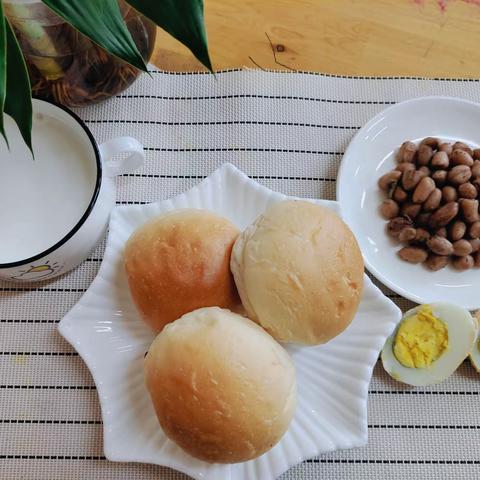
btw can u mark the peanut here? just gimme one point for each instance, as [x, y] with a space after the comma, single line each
[436, 262]
[440, 177]
[475, 243]
[423, 190]
[388, 180]
[407, 234]
[445, 147]
[433, 201]
[413, 254]
[411, 210]
[469, 210]
[410, 179]
[425, 171]
[440, 160]
[476, 258]
[401, 167]
[442, 232]
[440, 245]
[407, 152]
[430, 141]
[399, 194]
[463, 263]
[443, 215]
[424, 154]
[463, 146]
[421, 235]
[457, 231]
[389, 209]
[461, 157]
[474, 230]
[462, 247]
[476, 168]
[449, 194]
[467, 190]
[476, 154]
[397, 224]
[422, 219]
[459, 174]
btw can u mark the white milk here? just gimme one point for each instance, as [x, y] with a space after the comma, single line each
[41, 200]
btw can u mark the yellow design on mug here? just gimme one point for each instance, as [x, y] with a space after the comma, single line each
[38, 272]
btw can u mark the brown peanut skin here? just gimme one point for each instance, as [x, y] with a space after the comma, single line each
[446, 147]
[386, 181]
[411, 209]
[469, 210]
[436, 262]
[476, 259]
[440, 160]
[430, 141]
[449, 194]
[411, 178]
[457, 231]
[440, 178]
[423, 219]
[467, 190]
[389, 209]
[461, 157]
[462, 247]
[401, 167]
[459, 174]
[396, 225]
[474, 230]
[463, 146]
[407, 234]
[442, 232]
[413, 254]
[425, 171]
[399, 195]
[424, 155]
[423, 190]
[433, 201]
[475, 243]
[440, 245]
[476, 168]
[463, 263]
[444, 215]
[476, 154]
[422, 235]
[407, 152]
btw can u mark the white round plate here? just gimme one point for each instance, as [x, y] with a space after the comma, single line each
[107, 332]
[370, 155]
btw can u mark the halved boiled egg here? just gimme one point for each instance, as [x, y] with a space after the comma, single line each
[475, 353]
[429, 343]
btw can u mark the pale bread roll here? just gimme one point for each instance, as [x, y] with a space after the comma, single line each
[179, 262]
[223, 389]
[299, 272]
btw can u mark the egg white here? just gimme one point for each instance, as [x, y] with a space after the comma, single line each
[462, 330]
[475, 353]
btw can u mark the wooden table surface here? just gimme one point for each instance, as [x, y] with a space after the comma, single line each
[355, 37]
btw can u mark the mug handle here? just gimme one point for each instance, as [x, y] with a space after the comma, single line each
[120, 145]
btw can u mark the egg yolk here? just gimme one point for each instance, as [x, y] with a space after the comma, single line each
[421, 339]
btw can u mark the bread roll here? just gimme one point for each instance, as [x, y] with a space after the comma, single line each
[299, 272]
[222, 388]
[179, 262]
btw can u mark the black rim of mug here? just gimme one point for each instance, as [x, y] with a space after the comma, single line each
[93, 200]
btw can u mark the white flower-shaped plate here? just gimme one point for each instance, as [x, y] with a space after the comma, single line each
[107, 332]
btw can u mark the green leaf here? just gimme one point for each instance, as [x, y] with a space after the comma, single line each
[3, 69]
[183, 19]
[18, 101]
[102, 22]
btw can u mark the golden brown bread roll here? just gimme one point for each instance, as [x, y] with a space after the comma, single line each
[179, 262]
[299, 272]
[223, 389]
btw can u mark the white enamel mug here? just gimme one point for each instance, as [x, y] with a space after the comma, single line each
[54, 209]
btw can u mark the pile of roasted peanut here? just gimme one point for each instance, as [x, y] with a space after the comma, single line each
[432, 203]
